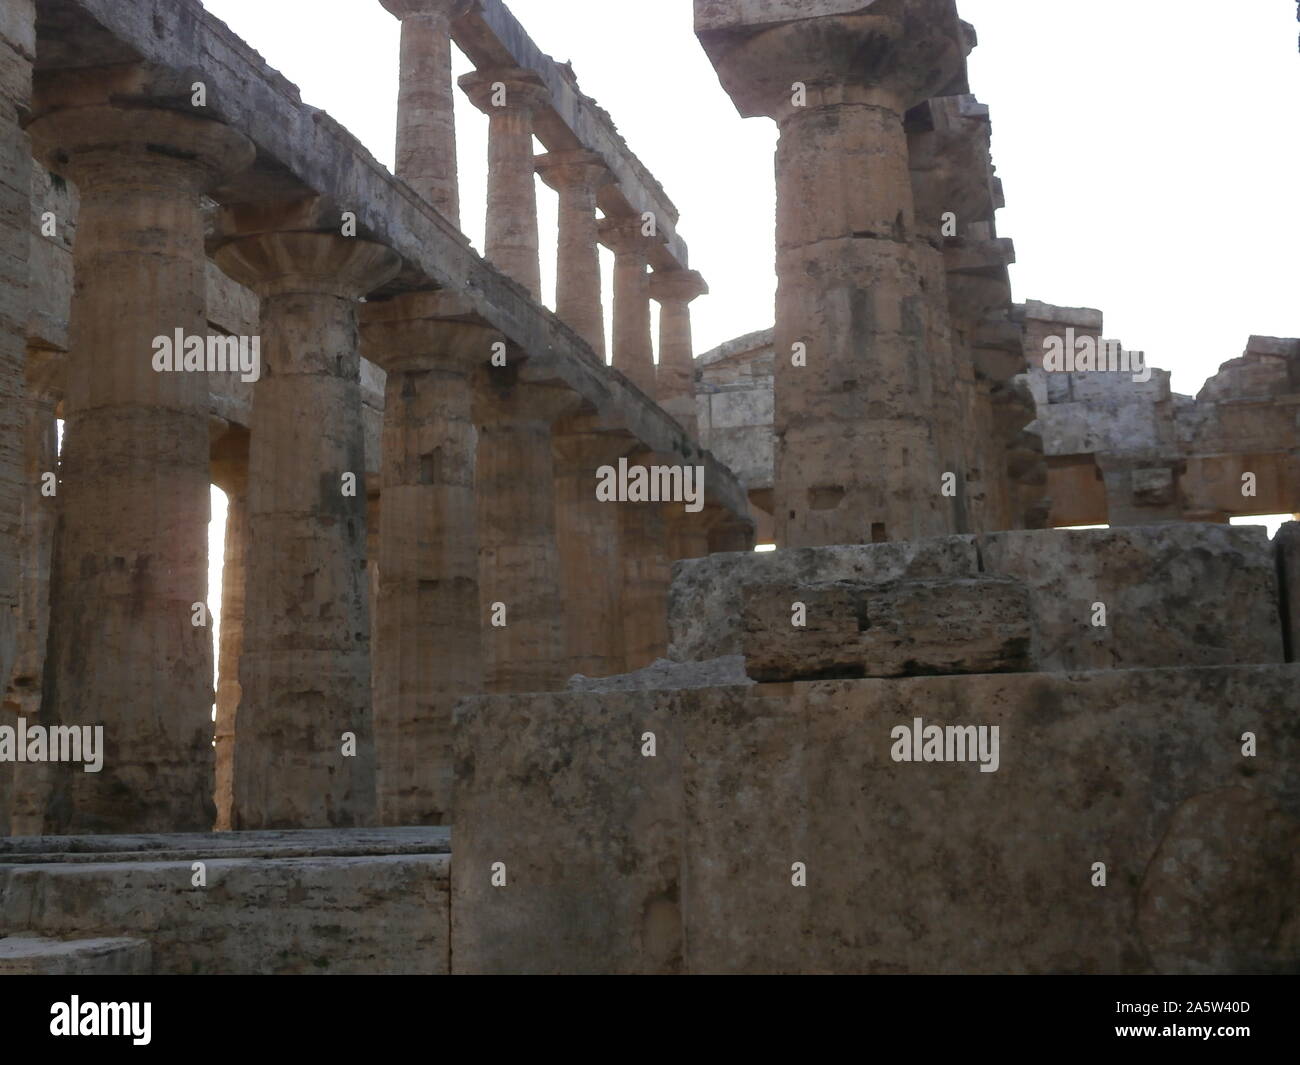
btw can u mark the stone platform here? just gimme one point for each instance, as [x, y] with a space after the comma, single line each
[331, 901]
[683, 862]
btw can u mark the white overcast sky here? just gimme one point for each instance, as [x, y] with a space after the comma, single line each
[1149, 149]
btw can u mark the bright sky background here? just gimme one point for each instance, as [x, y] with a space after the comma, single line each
[1149, 149]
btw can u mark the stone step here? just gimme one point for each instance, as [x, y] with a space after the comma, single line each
[32, 955]
[357, 913]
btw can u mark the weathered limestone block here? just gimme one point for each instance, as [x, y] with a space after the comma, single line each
[37, 956]
[1224, 886]
[360, 905]
[901, 629]
[1159, 586]
[587, 828]
[135, 468]
[614, 859]
[706, 601]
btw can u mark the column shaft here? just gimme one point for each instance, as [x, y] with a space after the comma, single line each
[133, 557]
[426, 123]
[519, 557]
[577, 176]
[234, 576]
[633, 343]
[510, 99]
[591, 558]
[647, 573]
[304, 754]
[675, 377]
[428, 620]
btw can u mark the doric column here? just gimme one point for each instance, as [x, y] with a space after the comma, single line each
[591, 559]
[856, 457]
[578, 176]
[426, 124]
[647, 574]
[305, 668]
[633, 344]
[428, 621]
[17, 53]
[675, 377]
[510, 98]
[233, 577]
[133, 559]
[523, 636]
[25, 792]
[686, 532]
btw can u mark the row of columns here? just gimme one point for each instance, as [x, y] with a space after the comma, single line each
[488, 494]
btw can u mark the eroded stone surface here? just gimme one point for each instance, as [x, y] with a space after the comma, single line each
[36, 956]
[616, 858]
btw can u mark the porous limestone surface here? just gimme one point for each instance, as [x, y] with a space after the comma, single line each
[1160, 590]
[37, 956]
[771, 828]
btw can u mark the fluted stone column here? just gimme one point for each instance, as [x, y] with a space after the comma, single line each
[578, 176]
[305, 668]
[675, 377]
[17, 54]
[591, 559]
[133, 559]
[633, 343]
[510, 98]
[519, 556]
[428, 621]
[426, 124]
[686, 532]
[24, 786]
[234, 576]
[647, 574]
[856, 456]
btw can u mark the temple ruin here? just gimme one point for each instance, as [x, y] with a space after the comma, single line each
[474, 714]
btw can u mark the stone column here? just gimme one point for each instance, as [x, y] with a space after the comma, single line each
[17, 53]
[426, 123]
[647, 574]
[591, 559]
[686, 533]
[25, 791]
[519, 557]
[510, 98]
[856, 456]
[133, 559]
[229, 652]
[577, 176]
[428, 621]
[305, 668]
[675, 377]
[633, 344]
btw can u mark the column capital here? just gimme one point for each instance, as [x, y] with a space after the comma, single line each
[445, 10]
[105, 144]
[428, 330]
[506, 90]
[677, 286]
[895, 55]
[623, 234]
[577, 168]
[276, 264]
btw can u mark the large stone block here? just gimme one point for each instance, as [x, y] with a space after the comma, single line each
[617, 861]
[848, 629]
[367, 901]
[35, 956]
[1163, 588]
